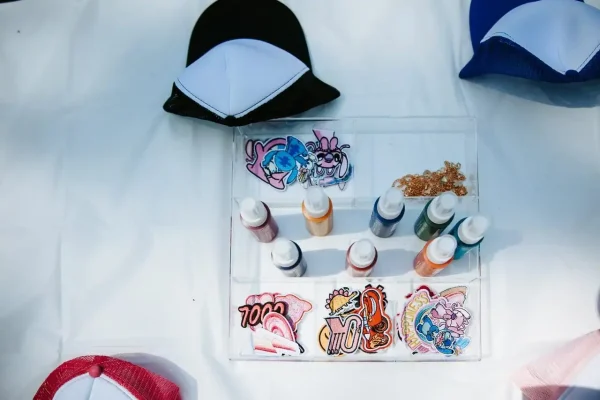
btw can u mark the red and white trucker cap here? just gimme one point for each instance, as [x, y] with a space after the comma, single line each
[103, 378]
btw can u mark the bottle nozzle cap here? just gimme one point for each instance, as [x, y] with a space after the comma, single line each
[316, 201]
[362, 253]
[442, 207]
[473, 229]
[442, 249]
[284, 253]
[447, 201]
[253, 212]
[391, 203]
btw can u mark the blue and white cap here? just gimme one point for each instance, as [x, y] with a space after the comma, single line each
[546, 40]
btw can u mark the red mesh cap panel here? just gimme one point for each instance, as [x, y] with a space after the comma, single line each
[141, 383]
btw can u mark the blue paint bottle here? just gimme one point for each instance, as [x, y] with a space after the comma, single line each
[469, 234]
[287, 257]
[388, 210]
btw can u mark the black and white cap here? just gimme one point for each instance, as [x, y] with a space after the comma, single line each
[247, 62]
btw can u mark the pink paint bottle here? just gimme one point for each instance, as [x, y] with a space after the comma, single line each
[256, 217]
[361, 257]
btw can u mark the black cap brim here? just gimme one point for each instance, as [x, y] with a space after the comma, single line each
[306, 93]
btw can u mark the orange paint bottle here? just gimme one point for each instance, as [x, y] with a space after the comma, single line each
[318, 211]
[436, 255]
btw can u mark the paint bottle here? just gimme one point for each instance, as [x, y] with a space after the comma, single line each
[361, 257]
[388, 210]
[436, 255]
[256, 217]
[468, 233]
[318, 211]
[436, 216]
[287, 256]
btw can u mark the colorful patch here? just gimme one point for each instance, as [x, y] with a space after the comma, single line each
[253, 315]
[344, 334]
[273, 319]
[283, 161]
[343, 301]
[435, 323]
[356, 321]
[377, 325]
[331, 165]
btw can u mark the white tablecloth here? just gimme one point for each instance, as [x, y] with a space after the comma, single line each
[114, 215]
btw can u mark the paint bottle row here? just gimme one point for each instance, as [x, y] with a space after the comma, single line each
[317, 209]
[361, 257]
[440, 250]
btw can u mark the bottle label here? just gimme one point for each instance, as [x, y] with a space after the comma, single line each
[358, 273]
[297, 271]
[422, 266]
[461, 251]
[425, 231]
[380, 229]
[422, 229]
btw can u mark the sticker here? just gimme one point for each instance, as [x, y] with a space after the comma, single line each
[277, 161]
[435, 323]
[356, 321]
[331, 166]
[273, 319]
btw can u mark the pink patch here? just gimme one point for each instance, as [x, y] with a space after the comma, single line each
[260, 299]
[265, 298]
[255, 154]
[277, 324]
[296, 308]
[458, 298]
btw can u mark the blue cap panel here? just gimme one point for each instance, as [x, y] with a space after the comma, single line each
[485, 13]
[555, 41]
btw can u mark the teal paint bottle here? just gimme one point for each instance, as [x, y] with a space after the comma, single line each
[469, 233]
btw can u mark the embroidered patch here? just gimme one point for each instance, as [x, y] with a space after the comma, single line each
[273, 319]
[276, 161]
[331, 166]
[432, 322]
[283, 161]
[356, 321]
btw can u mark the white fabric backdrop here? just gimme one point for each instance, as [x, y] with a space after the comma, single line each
[114, 214]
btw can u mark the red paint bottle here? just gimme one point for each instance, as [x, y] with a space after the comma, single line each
[361, 257]
[256, 217]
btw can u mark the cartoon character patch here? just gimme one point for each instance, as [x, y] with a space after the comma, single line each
[432, 322]
[277, 160]
[283, 161]
[356, 320]
[332, 166]
[273, 319]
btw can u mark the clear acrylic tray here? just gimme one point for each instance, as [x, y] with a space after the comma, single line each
[382, 150]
